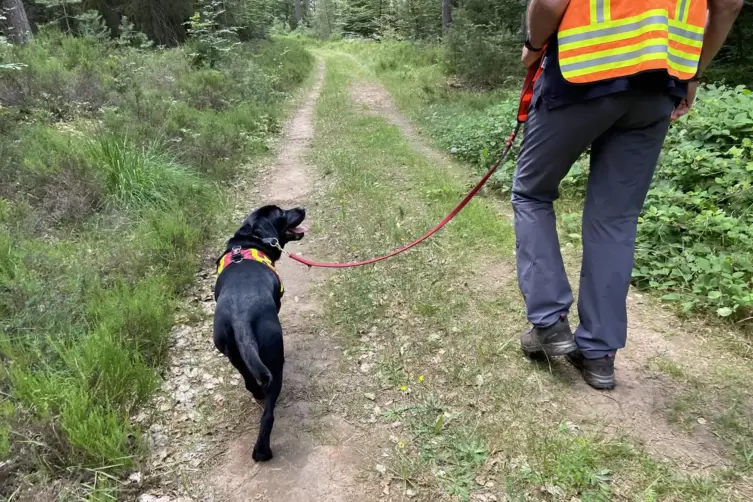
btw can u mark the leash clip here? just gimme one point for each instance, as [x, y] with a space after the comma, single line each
[237, 255]
[274, 242]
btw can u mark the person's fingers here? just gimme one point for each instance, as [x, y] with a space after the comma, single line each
[529, 58]
[680, 110]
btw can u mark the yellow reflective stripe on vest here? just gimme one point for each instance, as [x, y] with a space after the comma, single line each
[656, 20]
[612, 34]
[628, 56]
[681, 12]
[601, 11]
[618, 22]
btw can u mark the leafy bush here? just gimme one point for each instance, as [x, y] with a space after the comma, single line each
[695, 240]
[479, 136]
[286, 61]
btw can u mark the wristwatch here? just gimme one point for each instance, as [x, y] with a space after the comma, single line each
[531, 47]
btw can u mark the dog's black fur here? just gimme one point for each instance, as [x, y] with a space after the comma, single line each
[246, 323]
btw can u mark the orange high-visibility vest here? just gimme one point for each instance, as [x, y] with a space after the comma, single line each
[606, 39]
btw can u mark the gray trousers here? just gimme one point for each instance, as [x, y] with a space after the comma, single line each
[625, 132]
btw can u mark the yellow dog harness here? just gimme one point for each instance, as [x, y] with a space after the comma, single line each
[237, 255]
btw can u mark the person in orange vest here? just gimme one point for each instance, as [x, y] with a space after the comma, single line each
[614, 73]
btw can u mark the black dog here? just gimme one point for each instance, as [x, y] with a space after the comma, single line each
[248, 293]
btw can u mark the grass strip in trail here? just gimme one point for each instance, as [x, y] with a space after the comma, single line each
[113, 170]
[431, 336]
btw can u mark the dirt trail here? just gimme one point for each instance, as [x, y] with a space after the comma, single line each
[301, 469]
[206, 424]
[639, 404]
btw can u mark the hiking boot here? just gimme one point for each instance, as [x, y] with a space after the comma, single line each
[598, 373]
[555, 340]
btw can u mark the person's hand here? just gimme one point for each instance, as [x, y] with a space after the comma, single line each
[529, 57]
[684, 107]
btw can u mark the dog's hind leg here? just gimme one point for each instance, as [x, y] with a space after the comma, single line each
[262, 450]
[224, 340]
[251, 384]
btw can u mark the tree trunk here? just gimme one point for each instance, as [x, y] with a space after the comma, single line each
[326, 15]
[298, 13]
[446, 15]
[18, 28]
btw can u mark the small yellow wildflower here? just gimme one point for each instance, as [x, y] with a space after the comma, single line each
[400, 444]
[403, 388]
[420, 379]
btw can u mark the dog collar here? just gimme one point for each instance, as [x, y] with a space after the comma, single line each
[237, 255]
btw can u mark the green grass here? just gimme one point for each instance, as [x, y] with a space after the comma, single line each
[465, 412]
[142, 178]
[113, 171]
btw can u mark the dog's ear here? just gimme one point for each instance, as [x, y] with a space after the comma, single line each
[260, 222]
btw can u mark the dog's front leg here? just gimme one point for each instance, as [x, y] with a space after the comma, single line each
[262, 451]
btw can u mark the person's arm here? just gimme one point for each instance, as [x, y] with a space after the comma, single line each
[719, 20]
[543, 19]
[721, 16]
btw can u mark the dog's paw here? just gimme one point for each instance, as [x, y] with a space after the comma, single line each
[261, 454]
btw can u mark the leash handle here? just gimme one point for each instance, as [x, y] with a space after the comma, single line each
[526, 94]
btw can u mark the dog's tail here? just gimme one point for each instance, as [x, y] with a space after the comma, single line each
[250, 354]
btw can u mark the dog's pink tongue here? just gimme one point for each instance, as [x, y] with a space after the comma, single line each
[301, 229]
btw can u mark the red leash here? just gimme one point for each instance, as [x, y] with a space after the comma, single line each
[525, 101]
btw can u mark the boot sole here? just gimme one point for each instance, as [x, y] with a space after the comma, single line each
[551, 349]
[598, 382]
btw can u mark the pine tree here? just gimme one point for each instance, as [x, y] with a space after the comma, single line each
[13, 16]
[361, 17]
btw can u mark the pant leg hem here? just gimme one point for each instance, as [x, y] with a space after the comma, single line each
[598, 354]
[549, 320]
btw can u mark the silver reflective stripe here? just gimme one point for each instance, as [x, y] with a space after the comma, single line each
[599, 11]
[618, 58]
[682, 61]
[615, 58]
[686, 34]
[616, 30]
[681, 14]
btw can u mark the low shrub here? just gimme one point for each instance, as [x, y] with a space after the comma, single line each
[287, 61]
[695, 240]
